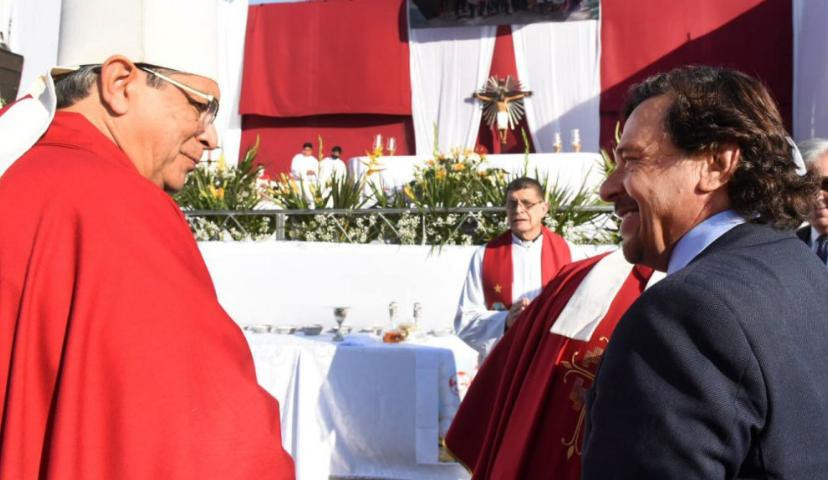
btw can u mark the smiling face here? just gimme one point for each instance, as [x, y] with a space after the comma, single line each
[525, 209]
[819, 216]
[167, 138]
[654, 187]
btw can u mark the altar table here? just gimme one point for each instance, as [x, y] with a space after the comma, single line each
[362, 408]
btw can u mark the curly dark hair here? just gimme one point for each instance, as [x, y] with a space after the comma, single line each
[716, 106]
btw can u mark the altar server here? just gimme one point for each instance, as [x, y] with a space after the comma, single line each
[116, 360]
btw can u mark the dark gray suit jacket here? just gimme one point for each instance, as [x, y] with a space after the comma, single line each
[719, 371]
[804, 234]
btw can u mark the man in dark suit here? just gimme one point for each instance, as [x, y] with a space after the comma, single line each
[815, 234]
[717, 371]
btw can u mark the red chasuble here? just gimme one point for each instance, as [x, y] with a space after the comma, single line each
[116, 360]
[497, 266]
[523, 416]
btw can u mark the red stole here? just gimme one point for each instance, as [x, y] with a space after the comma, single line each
[497, 266]
[523, 416]
[116, 360]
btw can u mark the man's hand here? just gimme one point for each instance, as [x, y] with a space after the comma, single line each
[515, 311]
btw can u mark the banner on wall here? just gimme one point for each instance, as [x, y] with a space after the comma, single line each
[453, 13]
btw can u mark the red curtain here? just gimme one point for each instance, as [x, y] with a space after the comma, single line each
[643, 37]
[333, 57]
[282, 138]
[316, 64]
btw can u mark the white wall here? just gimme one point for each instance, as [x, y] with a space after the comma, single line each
[299, 283]
[810, 99]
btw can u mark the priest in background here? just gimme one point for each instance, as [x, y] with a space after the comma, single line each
[524, 414]
[116, 359]
[332, 167]
[304, 166]
[509, 271]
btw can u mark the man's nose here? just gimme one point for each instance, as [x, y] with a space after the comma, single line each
[611, 188]
[209, 137]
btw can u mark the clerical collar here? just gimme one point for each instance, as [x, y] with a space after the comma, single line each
[700, 237]
[526, 243]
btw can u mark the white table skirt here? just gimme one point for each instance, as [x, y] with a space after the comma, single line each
[363, 408]
[571, 170]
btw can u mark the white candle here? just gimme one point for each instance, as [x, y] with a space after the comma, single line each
[378, 141]
[392, 144]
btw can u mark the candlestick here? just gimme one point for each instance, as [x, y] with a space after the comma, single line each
[576, 140]
[558, 145]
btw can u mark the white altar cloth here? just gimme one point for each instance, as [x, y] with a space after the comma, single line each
[363, 408]
[571, 170]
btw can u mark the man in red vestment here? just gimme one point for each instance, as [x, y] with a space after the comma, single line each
[116, 360]
[523, 416]
[511, 270]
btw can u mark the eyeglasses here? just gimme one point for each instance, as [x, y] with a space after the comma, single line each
[512, 205]
[207, 111]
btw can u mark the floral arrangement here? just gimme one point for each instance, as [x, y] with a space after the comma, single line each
[219, 187]
[457, 179]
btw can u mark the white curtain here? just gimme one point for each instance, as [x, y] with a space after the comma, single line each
[560, 63]
[232, 27]
[31, 28]
[810, 102]
[447, 66]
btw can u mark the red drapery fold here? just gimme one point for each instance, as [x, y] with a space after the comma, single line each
[333, 57]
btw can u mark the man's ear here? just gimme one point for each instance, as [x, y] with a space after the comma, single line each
[117, 83]
[718, 167]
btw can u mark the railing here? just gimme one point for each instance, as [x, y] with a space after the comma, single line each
[382, 222]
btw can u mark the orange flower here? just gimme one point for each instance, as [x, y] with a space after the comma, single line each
[458, 167]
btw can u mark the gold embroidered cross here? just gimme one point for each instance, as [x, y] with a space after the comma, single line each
[498, 288]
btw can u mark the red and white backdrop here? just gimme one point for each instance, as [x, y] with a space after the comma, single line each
[346, 70]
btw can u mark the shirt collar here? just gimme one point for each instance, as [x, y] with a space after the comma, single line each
[700, 237]
[814, 236]
[526, 243]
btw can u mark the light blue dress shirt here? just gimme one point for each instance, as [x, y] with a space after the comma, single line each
[700, 237]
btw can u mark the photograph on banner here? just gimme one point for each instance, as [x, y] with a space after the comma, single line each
[453, 13]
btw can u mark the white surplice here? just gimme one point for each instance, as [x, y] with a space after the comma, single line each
[480, 327]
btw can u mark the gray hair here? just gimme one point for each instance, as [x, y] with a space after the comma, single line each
[75, 86]
[812, 149]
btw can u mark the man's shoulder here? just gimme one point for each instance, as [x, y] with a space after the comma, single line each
[79, 179]
[755, 268]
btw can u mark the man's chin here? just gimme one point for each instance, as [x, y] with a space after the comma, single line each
[632, 251]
